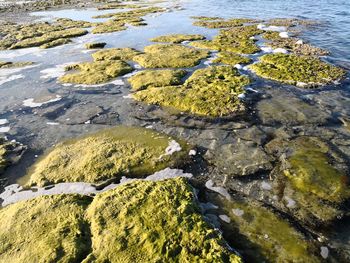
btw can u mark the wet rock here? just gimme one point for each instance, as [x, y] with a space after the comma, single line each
[170, 56]
[304, 72]
[209, 23]
[115, 54]
[156, 78]
[109, 118]
[95, 45]
[6, 64]
[231, 59]
[108, 154]
[51, 111]
[80, 113]
[177, 38]
[49, 227]
[10, 153]
[213, 91]
[240, 158]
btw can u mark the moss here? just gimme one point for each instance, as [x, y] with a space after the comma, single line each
[231, 59]
[49, 37]
[271, 35]
[222, 23]
[128, 151]
[212, 91]
[69, 23]
[95, 45]
[137, 13]
[109, 27]
[177, 38]
[10, 152]
[292, 45]
[293, 69]
[115, 54]
[310, 171]
[204, 44]
[263, 236]
[96, 72]
[118, 6]
[206, 18]
[156, 78]
[6, 64]
[170, 56]
[45, 229]
[55, 43]
[153, 222]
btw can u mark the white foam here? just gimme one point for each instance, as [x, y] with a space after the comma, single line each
[4, 79]
[55, 72]
[225, 218]
[172, 148]
[238, 212]
[299, 42]
[52, 123]
[19, 53]
[220, 190]
[284, 34]
[117, 82]
[241, 96]
[3, 121]
[267, 49]
[192, 152]
[238, 66]
[167, 173]
[30, 102]
[280, 50]
[4, 129]
[271, 28]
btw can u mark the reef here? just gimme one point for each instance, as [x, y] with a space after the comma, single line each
[115, 54]
[95, 45]
[261, 235]
[232, 59]
[177, 38]
[156, 78]
[170, 56]
[45, 229]
[296, 70]
[210, 23]
[153, 221]
[7, 64]
[108, 154]
[212, 91]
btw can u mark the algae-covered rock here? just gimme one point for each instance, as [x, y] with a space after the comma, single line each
[213, 91]
[297, 70]
[261, 235]
[115, 54]
[96, 72]
[109, 26]
[170, 56]
[222, 23]
[55, 43]
[10, 152]
[156, 78]
[147, 221]
[177, 38]
[108, 154]
[206, 18]
[231, 58]
[7, 64]
[45, 229]
[95, 45]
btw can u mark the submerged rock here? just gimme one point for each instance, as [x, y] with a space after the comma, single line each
[177, 38]
[95, 45]
[170, 56]
[10, 153]
[297, 70]
[45, 229]
[156, 78]
[212, 91]
[108, 154]
[151, 221]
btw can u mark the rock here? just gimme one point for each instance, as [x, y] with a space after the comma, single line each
[177, 38]
[80, 113]
[10, 153]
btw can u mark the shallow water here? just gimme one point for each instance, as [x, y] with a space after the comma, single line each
[293, 111]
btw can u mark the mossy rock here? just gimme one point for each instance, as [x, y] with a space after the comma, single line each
[156, 78]
[10, 152]
[118, 6]
[7, 64]
[177, 38]
[271, 35]
[45, 229]
[108, 154]
[302, 71]
[204, 44]
[222, 23]
[109, 26]
[232, 59]
[115, 54]
[310, 171]
[206, 18]
[95, 45]
[170, 56]
[211, 91]
[96, 72]
[57, 42]
[153, 222]
[263, 236]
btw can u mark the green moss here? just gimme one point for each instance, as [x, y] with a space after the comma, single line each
[206, 18]
[116, 54]
[293, 69]
[69, 23]
[153, 222]
[263, 236]
[45, 229]
[204, 44]
[292, 45]
[222, 23]
[118, 6]
[49, 37]
[6, 64]
[109, 26]
[97, 72]
[105, 155]
[55, 43]
[177, 38]
[95, 45]
[271, 35]
[310, 171]
[231, 59]
[212, 91]
[156, 78]
[170, 56]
